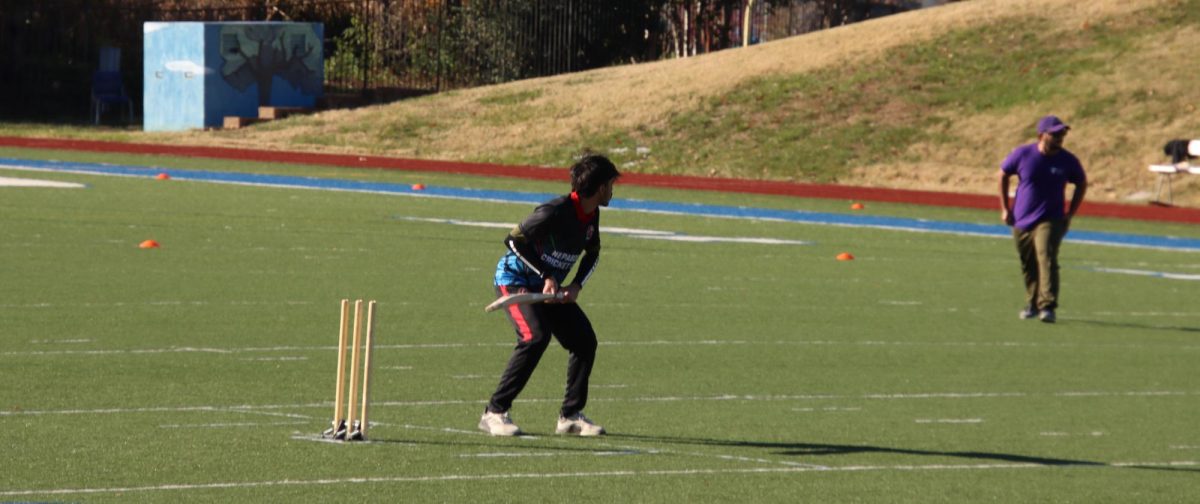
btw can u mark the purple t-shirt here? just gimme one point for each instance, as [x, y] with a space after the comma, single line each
[1043, 180]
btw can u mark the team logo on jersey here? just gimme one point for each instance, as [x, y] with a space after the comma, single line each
[591, 230]
[1054, 170]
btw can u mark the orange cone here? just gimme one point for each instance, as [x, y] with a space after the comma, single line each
[845, 256]
[857, 206]
[148, 244]
[418, 187]
[163, 176]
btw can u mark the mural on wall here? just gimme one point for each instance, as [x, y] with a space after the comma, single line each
[256, 54]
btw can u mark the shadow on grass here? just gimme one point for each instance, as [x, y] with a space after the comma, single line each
[1131, 325]
[817, 450]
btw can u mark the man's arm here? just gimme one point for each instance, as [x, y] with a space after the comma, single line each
[587, 266]
[1005, 208]
[1077, 198]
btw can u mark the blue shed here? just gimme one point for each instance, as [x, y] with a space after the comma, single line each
[197, 73]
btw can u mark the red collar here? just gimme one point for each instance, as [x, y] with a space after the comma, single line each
[583, 217]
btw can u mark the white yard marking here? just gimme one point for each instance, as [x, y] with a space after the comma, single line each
[828, 409]
[440, 478]
[949, 420]
[549, 454]
[1154, 314]
[282, 359]
[316, 438]
[23, 182]
[1155, 274]
[452, 430]
[649, 234]
[226, 425]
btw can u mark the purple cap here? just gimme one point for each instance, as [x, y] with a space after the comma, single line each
[1051, 124]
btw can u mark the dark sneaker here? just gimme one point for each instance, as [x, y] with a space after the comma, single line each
[1047, 316]
[1027, 313]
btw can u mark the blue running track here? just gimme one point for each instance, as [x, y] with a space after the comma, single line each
[732, 212]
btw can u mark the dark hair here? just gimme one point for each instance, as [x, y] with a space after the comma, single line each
[590, 173]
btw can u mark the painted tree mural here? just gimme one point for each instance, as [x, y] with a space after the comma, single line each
[256, 54]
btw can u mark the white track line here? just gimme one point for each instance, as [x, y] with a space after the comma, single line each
[581, 474]
[664, 399]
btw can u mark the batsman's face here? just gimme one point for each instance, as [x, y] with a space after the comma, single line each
[606, 192]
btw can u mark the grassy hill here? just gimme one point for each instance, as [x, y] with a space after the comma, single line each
[930, 99]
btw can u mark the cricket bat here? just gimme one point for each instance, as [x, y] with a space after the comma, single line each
[523, 298]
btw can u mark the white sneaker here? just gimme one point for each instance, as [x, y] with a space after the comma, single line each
[498, 424]
[579, 425]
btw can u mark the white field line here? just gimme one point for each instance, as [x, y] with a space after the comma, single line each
[700, 343]
[228, 425]
[259, 409]
[442, 478]
[23, 182]
[949, 420]
[719, 456]
[619, 449]
[123, 304]
[549, 454]
[1156, 274]
[650, 234]
[452, 430]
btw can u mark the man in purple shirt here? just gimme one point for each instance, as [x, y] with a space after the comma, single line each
[1037, 216]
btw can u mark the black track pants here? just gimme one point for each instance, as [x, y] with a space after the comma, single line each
[534, 324]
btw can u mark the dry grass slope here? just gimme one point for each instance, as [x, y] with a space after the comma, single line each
[538, 120]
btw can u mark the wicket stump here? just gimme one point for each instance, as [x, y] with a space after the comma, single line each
[348, 427]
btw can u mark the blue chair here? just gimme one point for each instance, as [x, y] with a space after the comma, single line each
[108, 90]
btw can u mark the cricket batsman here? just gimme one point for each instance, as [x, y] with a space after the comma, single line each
[542, 249]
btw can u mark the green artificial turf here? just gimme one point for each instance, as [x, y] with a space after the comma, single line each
[201, 371]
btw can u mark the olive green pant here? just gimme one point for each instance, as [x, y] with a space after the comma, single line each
[1038, 249]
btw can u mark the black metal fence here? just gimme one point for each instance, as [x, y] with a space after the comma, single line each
[374, 49]
[378, 50]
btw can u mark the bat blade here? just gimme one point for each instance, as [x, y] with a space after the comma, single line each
[517, 299]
